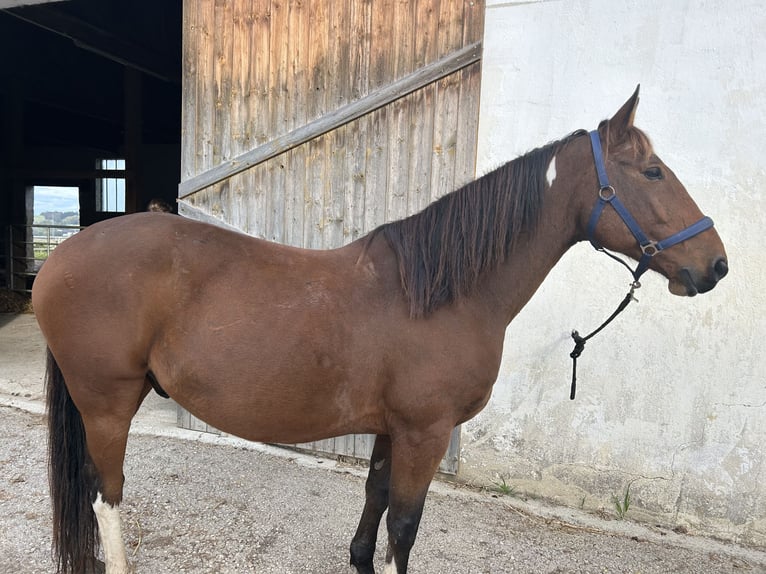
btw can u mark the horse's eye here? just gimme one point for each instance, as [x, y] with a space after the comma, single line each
[653, 173]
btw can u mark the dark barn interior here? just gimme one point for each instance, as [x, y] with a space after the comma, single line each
[84, 83]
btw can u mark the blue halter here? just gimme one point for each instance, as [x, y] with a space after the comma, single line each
[608, 196]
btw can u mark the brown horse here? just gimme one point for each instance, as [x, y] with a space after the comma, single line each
[399, 334]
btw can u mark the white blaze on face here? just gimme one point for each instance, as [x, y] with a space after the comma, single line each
[108, 517]
[550, 175]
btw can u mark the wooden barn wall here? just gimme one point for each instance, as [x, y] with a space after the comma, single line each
[254, 70]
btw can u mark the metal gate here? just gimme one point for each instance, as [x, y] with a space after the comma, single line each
[310, 123]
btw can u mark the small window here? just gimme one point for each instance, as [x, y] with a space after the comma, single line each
[110, 191]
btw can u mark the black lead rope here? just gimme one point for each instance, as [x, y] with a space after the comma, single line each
[580, 341]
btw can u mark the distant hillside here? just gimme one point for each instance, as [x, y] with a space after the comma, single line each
[58, 218]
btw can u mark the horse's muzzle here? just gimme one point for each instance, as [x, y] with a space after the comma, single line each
[695, 282]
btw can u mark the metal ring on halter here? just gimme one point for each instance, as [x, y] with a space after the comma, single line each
[606, 193]
[650, 249]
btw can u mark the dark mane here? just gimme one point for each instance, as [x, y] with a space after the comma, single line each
[444, 250]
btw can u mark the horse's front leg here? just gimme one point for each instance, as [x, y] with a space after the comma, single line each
[376, 502]
[415, 458]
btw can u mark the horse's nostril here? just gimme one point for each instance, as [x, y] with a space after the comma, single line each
[721, 268]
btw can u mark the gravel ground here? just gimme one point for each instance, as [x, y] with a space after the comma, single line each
[196, 503]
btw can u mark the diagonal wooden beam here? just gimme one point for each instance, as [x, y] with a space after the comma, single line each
[385, 95]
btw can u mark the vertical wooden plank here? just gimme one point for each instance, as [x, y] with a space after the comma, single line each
[470, 89]
[268, 184]
[402, 56]
[295, 186]
[221, 88]
[262, 36]
[298, 86]
[182, 418]
[260, 72]
[378, 154]
[376, 169]
[338, 89]
[278, 68]
[190, 59]
[235, 102]
[316, 166]
[359, 69]
[363, 444]
[445, 103]
[449, 464]
[467, 124]
[334, 189]
[273, 188]
[345, 445]
[205, 86]
[422, 108]
[241, 14]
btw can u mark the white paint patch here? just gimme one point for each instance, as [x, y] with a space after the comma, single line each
[390, 568]
[108, 517]
[550, 175]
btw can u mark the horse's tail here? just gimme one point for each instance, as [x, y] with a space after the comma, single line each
[75, 530]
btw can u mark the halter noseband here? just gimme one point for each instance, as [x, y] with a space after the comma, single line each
[608, 196]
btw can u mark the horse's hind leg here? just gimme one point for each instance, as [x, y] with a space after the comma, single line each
[106, 429]
[376, 502]
[88, 422]
[106, 439]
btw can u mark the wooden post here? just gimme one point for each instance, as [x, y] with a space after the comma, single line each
[13, 197]
[133, 128]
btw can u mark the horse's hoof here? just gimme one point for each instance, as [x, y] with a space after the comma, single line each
[96, 567]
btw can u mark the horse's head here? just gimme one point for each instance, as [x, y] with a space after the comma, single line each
[668, 232]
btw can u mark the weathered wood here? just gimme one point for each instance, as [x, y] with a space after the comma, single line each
[203, 156]
[192, 212]
[360, 446]
[333, 120]
[189, 62]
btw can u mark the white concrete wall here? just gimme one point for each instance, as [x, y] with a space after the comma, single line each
[672, 397]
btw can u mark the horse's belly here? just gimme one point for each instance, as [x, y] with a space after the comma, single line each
[295, 403]
[283, 420]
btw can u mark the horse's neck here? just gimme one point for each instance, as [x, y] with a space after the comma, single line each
[508, 288]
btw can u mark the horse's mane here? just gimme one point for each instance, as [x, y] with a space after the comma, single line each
[444, 250]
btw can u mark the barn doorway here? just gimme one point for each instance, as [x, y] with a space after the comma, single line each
[93, 101]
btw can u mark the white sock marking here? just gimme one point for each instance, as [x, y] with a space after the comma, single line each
[390, 568]
[550, 175]
[108, 517]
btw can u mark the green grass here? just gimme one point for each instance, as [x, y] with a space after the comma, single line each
[503, 487]
[622, 506]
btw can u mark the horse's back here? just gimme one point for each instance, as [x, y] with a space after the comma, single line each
[121, 258]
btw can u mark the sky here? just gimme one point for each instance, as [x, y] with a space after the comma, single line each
[49, 198]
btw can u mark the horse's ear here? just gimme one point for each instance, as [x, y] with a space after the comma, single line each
[623, 119]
